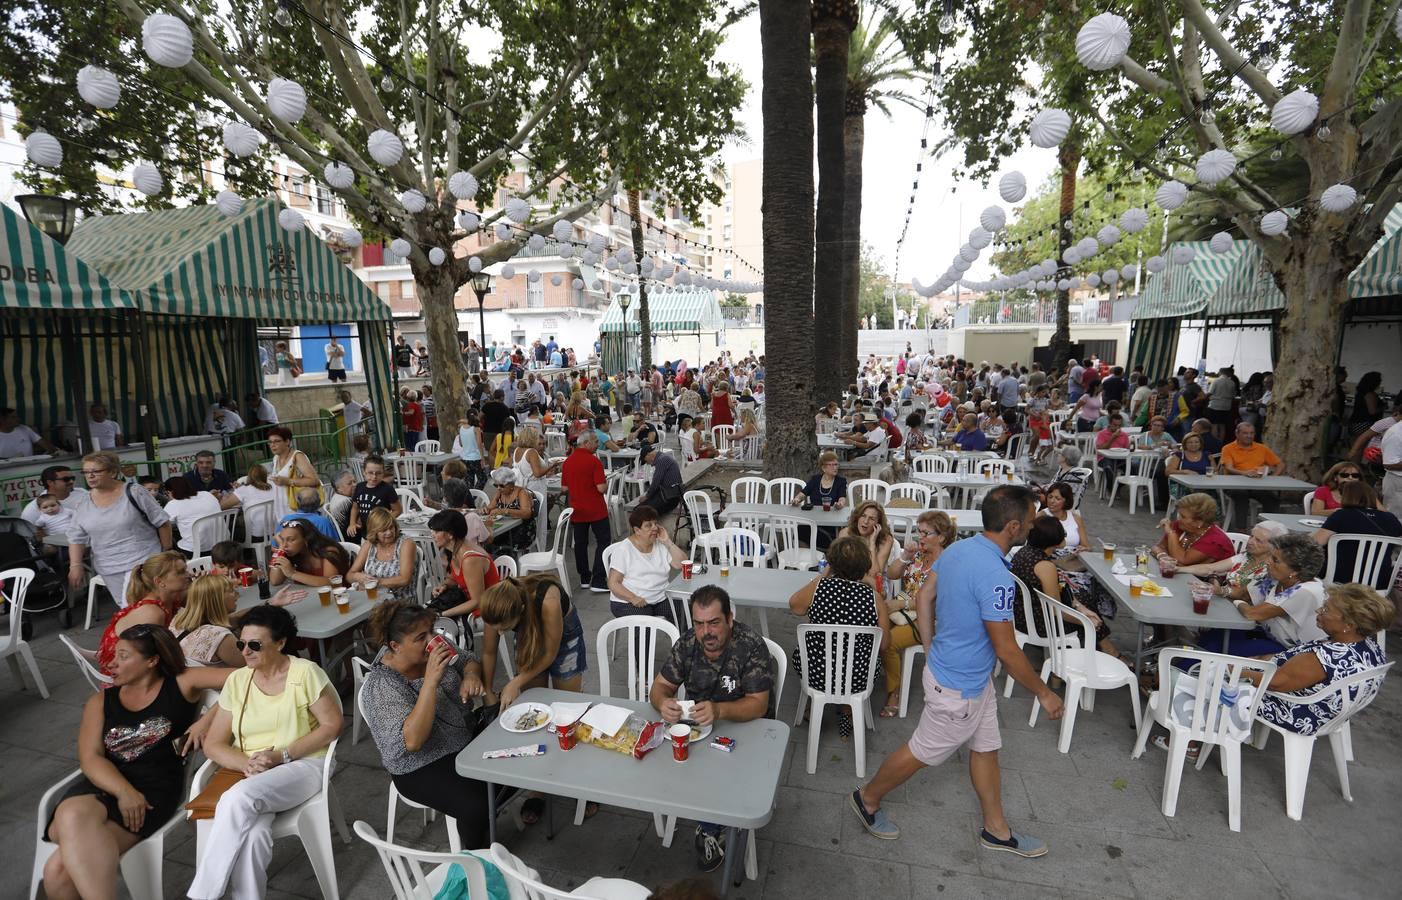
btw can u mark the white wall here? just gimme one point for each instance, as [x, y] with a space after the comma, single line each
[1369, 348]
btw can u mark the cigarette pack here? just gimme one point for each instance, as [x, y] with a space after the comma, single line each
[515, 752]
[724, 743]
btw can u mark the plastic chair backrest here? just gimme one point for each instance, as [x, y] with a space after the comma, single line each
[480, 500]
[862, 489]
[359, 669]
[739, 546]
[929, 464]
[14, 585]
[562, 529]
[428, 447]
[506, 566]
[1370, 555]
[1208, 718]
[1062, 642]
[516, 873]
[785, 532]
[413, 873]
[783, 490]
[409, 499]
[1143, 464]
[643, 646]
[698, 508]
[839, 644]
[258, 519]
[1085, 442]
[1032, 636]
[408, 470]
[828, 426]
[87, 663]
[200, 565]
[1349, 696]
[720, 437]
[1078, 488]
[995, 467]
[906, 490]
[749, 447]
[1309, 502]
[781, 666]
[206, 531]
[1017, 446]
[1238, 541]
[353, 550]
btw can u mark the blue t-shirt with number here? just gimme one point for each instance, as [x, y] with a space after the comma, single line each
[975, 586]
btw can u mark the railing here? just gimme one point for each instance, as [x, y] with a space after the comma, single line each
[320, 438]
[998, 311]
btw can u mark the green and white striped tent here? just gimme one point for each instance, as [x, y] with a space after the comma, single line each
[1182, 290]
[684, 310]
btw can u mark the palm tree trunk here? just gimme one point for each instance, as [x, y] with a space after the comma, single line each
[787, 204]
[1069, 157]
[831, 36]
[853, 139]
[644, 315]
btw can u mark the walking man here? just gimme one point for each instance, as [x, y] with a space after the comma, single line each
[975, 613]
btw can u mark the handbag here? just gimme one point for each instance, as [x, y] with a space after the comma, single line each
[292, 489]
[207, 800]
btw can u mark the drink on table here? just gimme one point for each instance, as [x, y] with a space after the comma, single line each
[323, 593]
[681, 736]
[1202, 596]
[1109, 551]
[725, 570]
[1141, 560]
[1168, 566]
[342, 601]
[1136, 585]
[686, 570]
[372, 590]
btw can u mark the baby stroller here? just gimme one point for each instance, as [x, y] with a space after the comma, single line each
[48, 591]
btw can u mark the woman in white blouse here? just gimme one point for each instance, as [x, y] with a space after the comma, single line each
[640, 566]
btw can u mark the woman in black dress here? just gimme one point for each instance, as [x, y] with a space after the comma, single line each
[133, 778]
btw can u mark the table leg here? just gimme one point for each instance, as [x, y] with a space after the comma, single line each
[491, 813]
[1138, 648]
[733, 845]
[1226, 635]
[549, 818]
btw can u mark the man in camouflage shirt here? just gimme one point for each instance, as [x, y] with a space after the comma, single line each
[728, 674]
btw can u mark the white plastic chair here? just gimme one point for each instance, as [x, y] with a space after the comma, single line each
[862, 489]
[703, 519]
[554, 558]
[1207, 721]
[1370, 553]
[87, 663]
[206, 531]
[258, 523]
[908, 674]
[720, 437]
[1032, 637]
[419, 874]
[1016, 452]
[480, 500]
[998, 468]
[839, 661]
[929, 464]
[920, 493]
[200, 565]
[409, 500]
[750, 489]
[14, 584]
[1078, 488]
[1140, 470]
[1309, 503]
[409, 471]
[1350, 696]
[1238, 541]
[556, 444]
[94, 582]
[784, 533]
[747, 448]
[783, 490]
[1083, 668]
[829, 426]
[525, 880]
[428, 447]
[141, 866]
[310, 821]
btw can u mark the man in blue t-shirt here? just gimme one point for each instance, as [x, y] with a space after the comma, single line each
[975, 612]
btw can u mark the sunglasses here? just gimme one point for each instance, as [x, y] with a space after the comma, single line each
[1353, 476]
[255, 646]
[68, 478]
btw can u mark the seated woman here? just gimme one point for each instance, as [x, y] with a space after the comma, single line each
[531, 468]
[827, 488]
[1190, 457]
[1194, 537]
[689, 436]
[386, 556]
[419, 710]
[133, 778]
[458, 496]
[1358, 514]
[935, 531]
[747, 427]
[512, 501]
[1282, 602]
[828, 414]
[202, 627]
[1350, 618]
[155, 592]
[187, 505]
[256, 488]
[275, 719]
[1012, 427]
[640, 566]
[916, 441]
[305, 556]
[1156, 437]
[1233, 574]
[1034, 566]
[1326, 496]
[1069, 471]
[470, 568]
[868, 524]
[843, 594]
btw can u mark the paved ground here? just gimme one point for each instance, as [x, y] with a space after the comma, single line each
[1097, 809]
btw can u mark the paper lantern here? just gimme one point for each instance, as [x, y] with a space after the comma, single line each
[1072, 256]
[462, 185]
[1274, 223]
[414, 201]
[1102, 42]
[437, 256]
[533, 276]
[1129, 271]
[979, 237]
[1108, 236]
[563, 230]
[960, 265]
[1182, 255]
[1109, 276]
[385, 147]
[598, 285]
[535, 243]
[1221, 242]
[596, 243]
[1156, 264]
[99, 87]
[43, 149]
[352, 238]
[147, 179]
[1092, 279]
[1012, 187]
[1397, 25]
[338, 175]
[648, 265]
[517, 210]
[1337, 198]
[1049, 266]
[508, 271]
[469, 221]
[474, 264]
[630, 268]
[556, 280]
[968, 253]
[502, 231]
[240, 139]
[229, 203]
[290, 220]
[287, 100]
[1171, 195]
[589, 257]
[401, 248]
[1133, 220]
[611, 264]
[1295, 112]
[1088, 246]
[993, 219]
[167, 40]
[1049, 127]
[577, 284]
[1064, 284]
[1215, 166]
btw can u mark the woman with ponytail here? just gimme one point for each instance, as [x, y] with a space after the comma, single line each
[418, 706]
[155, 592]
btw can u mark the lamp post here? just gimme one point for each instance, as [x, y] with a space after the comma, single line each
[54, 216]
[624, 301]
[481, 286]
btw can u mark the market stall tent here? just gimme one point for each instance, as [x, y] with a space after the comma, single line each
[670, 311]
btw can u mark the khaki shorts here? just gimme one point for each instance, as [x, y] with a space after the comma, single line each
[948, 722]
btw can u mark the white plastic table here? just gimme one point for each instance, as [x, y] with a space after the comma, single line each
[316, 622]
[1297, 523]
[964, 519]
[736, 790]
[963, 480]
[1222, 484]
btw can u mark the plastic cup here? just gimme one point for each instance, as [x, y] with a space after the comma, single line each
[336, 581]
[343, 603]
[372, 590]
[725, 570]
[681, 739]
[1010, 475]
[1168, 566]
[566, 734]
[1109, 552]
[686, 570]
[323, 593]
[1202, 597]
[827, 506]
[1136, 585]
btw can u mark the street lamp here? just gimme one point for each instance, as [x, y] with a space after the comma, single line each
[481, 286]
[624, 301]
[54, 216]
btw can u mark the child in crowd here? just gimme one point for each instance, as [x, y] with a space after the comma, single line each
[1039, 423]
[371, 493]
[227, 558]
[152, 484]
[55, 520]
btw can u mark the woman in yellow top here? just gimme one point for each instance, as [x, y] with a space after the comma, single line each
[501, 445]
[275, 720]
[934, 531]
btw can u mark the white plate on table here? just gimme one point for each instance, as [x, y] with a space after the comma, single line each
[515, 714]
[1312, 522]
[699, 732]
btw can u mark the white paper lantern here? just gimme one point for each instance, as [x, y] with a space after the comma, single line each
[1102, 42]
[469, 221]
[290, 220]
[611, 264]
[533, 276]
[535, 243]
[502, 231]
[1171, 195]
[1064, 284]
[414, 201]
[960, 265]
[979, 237]
[1072, 256]
[1092, 279]
[338, 175]
[556, 280]
[577, 284]
[1182, 255]
[517, 210]
[1129, 271]
[648, 265]
[563, 230]
[1012, 187]
[598, 285]
[99, 87]
[1274, 223]
[1221, 242]
[1295, 112]
[1049, 127]
[43, 149]
[352, 237]
[229, 203]
[147, 179]
[596, 243]
[463, 185]
[630, 268]
[1397, 25]
[1049, 266]
[1108, 236]
[589, 257]
[1215, 166]
[1156, 264]
[401, 248]
[968, 253]
[167, 40]
[1109, 276]
[385, 147]
[1088, 246]
[437, 256]
[474, 264]
[240, 139]
[1337, 198]
[993, 219]
[1133, 220]
[508, 271]
[286, 100]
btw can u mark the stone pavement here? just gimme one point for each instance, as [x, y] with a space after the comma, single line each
[1097, 809]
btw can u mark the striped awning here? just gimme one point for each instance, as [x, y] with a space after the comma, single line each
[198, 262]
[670, 310]
[39, 273]
[1186, 289]
[1380, 273]
[1154, 345]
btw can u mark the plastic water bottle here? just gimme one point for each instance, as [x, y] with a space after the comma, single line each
[1230, 692]
[1141, 560]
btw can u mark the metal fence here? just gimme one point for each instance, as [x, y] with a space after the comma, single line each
[1001, 311]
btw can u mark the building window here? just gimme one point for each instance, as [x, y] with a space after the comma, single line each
[325, 200]
[727, 232]
[406, 289]
[535, 294]
[392, 258]
[382, 290]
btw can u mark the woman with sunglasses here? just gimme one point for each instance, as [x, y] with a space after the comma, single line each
[934, 531]
[122, 524]
[133, 776]
[275, 719]
[1326, 496]
[1360, 514]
